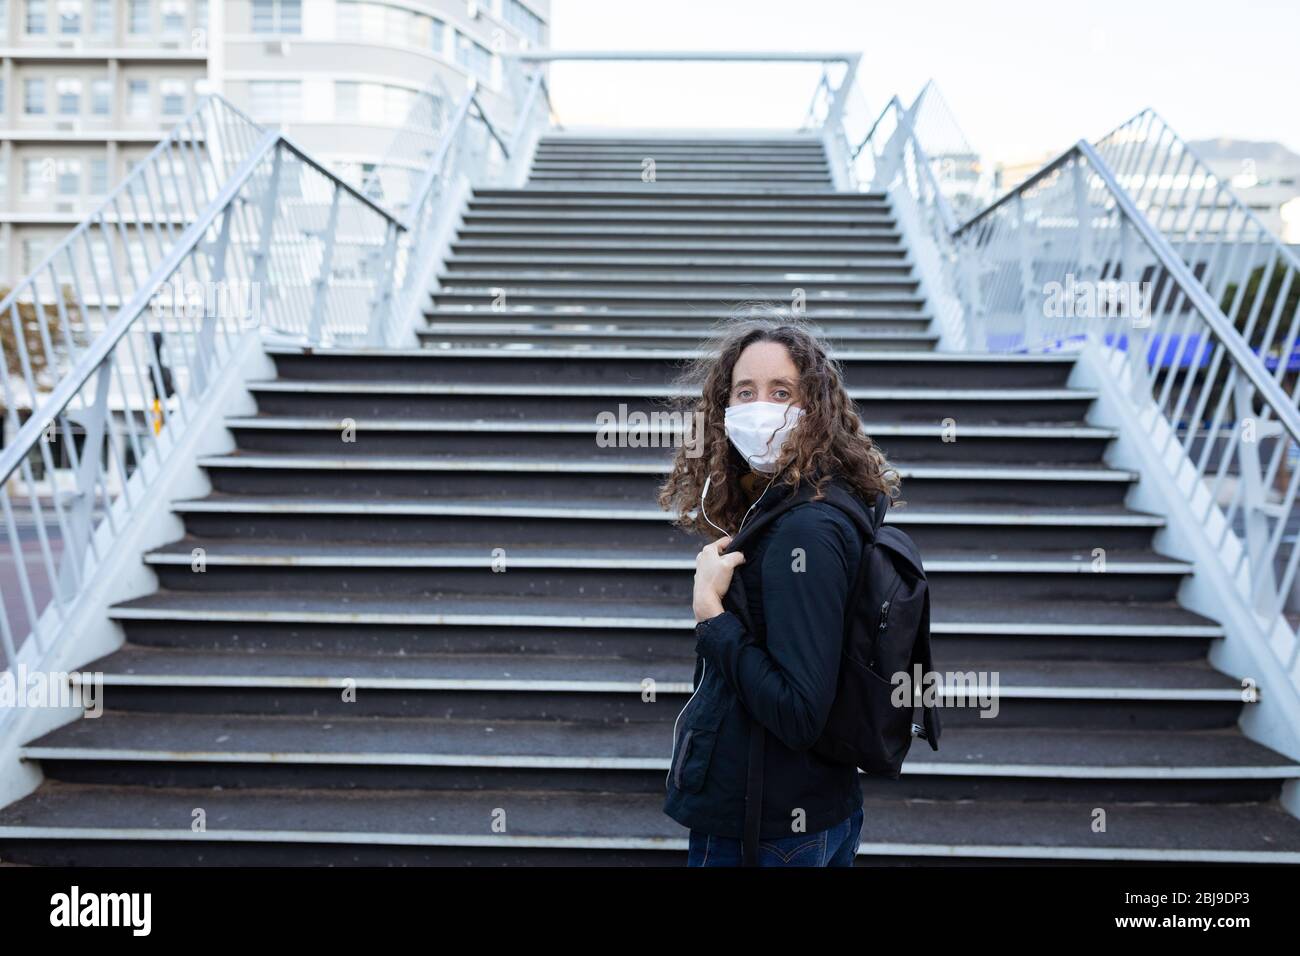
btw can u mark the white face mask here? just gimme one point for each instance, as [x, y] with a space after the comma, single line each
[759, 429]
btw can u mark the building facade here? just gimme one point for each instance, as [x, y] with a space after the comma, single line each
[87, 87]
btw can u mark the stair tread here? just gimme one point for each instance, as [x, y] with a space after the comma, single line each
[649, 461]
[994, 614]
[561, 507]
[600, 194]
[646, 744]
[585, 425]
[672, 674]
[594, 555]
[1256, 831]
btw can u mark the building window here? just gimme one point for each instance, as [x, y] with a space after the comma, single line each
[101, 18]
[67, 91]
[33, 254]
[4, 32]
[100, 97]
[385, 23]
[137, 99]
[68, 177]
[3, 99]
[36, 176]
[275, 99]
[34, 96]
[99, 177]
[277, 16]
[524, 20]
[137, 16]
[347, 100]
[36, 17]
[474, 57]
[70, 17]
[173, 97]
[173, 16]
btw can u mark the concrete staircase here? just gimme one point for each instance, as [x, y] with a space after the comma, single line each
[496, 590]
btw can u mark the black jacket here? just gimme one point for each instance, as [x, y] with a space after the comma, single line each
[774, 653]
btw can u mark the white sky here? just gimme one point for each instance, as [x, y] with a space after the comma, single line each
[1023, 78]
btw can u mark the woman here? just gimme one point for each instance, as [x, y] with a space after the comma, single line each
[777, 421]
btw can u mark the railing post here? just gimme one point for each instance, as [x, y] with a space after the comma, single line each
[262, 267]
[94, 421]
[204, 352]
[326, 267]
[1139, 336]
[1030, 295]
[835, 112]
[1083, 215]
[380, 316]
[1254, 494]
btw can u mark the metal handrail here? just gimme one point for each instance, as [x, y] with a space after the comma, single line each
[123, 190]
[1225, 192]
[1198, 366]
[1018, 190]
[1236, 346]
[89, 363]
[93, 358]
[260, 219]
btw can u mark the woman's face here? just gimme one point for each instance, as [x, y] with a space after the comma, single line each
[765, 373]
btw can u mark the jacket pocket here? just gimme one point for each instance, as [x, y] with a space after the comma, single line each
[701, 719]
[693, 762]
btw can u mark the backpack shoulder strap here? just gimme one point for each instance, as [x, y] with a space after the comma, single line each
[878, 513]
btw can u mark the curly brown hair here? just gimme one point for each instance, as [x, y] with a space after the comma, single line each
[827, 441]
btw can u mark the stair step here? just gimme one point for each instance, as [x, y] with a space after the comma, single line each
[507, 336]
[726, 268]
[721, 297]
[583, 509]
[728, 237]
[625, 219]
[558, 366]
[635, 745]
[633, 319]
[566, 828]
[552, 194]
[615, 389]
[966, 616]
[734, 167]
[824, 284]
[583, 555]
[757, 230]
[136, 666]
[508, 463]
[526, 199]
[652, 249]
[551, 262]
[878, 428]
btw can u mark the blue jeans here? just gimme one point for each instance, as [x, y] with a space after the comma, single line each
[834, 846]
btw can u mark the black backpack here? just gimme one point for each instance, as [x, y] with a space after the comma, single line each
[886, 632]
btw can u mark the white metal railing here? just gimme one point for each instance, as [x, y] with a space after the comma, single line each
[474, 149]
[116, 341]
[1134, 248]
[226, 229]
[1253, 276]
